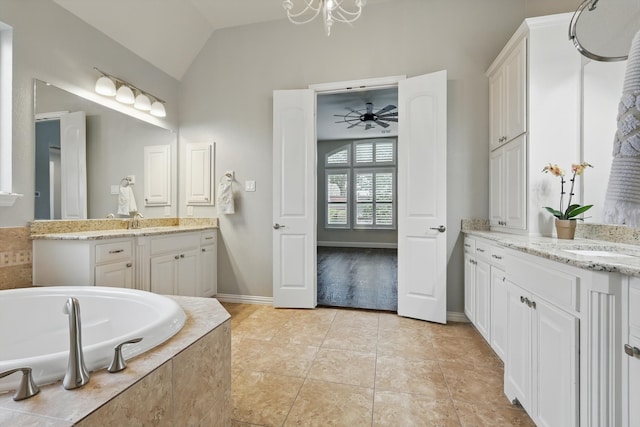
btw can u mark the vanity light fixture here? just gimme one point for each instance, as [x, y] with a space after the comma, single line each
[303, 11]
[125, 92]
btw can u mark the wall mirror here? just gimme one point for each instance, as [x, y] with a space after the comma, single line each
[115, 147]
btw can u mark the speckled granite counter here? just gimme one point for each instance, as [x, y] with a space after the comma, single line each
[121, 232]
[627, 262]
[184, 381]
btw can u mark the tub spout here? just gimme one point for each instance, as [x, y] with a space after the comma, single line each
[76, 375]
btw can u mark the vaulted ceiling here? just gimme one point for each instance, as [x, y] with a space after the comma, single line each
[170, 33]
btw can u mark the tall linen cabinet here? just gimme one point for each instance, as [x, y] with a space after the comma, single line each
[534, 104]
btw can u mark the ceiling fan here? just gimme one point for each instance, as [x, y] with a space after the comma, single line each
[368, 118]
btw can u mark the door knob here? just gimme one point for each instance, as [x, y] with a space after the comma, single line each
[441, 228]
[277, 226]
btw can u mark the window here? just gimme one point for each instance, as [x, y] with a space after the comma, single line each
[371, 197]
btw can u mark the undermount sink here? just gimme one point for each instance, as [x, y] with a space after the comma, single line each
[596, 253]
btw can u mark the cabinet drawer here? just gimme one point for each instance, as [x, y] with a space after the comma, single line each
[208, 238]
[176, 242]
[470, 245]
[497, 256]
[555, 286]
[114, 251]
[483, 249]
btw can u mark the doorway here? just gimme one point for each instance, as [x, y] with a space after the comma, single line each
[357, 259]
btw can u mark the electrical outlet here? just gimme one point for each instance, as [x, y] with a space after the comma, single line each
[5, 258]
[23, 257]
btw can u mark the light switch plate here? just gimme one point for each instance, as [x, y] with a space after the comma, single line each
[249, 186]
[115, 189]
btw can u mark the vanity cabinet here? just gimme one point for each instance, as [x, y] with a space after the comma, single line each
[508, 96]
[104, 262]
[174, 264]
[481, 258]
[208, 262]
[534, 97]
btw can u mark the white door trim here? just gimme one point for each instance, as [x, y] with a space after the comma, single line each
[357, 85]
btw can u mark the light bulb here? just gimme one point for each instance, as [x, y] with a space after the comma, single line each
[157, 109]
[105, 86]
[142, 102]
[124, 94]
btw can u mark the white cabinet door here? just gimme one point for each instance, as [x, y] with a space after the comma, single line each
[157, 175]
[117, 274]
[515, 91]
[469, 286]
[555, 362]
[199, 173]
[496, 107]
[483, 299]
[189, 273]
[164, 273]
[496, 188]
[208, 271]
[517, 369]
[633, 380]
[499, 302]
[515, 174]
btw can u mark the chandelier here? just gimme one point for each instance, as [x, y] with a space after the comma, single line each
[303, 11]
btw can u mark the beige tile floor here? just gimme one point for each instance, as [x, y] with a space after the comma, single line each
[341, 367]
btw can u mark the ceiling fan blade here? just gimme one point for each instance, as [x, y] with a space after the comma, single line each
[388, 115]
[353, 125]
[352, 110]
[385, 109]
[369, 108]
[389, 119]
[383, 124]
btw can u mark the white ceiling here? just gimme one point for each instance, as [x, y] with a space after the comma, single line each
[170, 33]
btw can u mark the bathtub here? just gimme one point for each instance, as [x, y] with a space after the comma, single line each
[34, 331]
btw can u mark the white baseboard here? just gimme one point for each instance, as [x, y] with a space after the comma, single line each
[358, 245]
[454, 316]
[244, 299]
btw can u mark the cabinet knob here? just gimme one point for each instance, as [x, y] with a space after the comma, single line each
[480, 250]
[631, 351]
[177, 257]
[204, 250]
[521, 299]
[129, 264]
[181, 255]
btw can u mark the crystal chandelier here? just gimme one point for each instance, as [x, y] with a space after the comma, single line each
[303, 11]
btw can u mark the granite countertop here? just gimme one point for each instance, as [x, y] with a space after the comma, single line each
[619, 258]
[121, 232]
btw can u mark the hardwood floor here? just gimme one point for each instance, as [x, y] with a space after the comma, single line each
[358, 278]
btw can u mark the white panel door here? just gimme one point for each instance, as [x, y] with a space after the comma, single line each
[294, 199]
[517, 368]
[422, 210]
[164, 273]
[483, 299]
[73, 165]
[515, 194]
[499, 312]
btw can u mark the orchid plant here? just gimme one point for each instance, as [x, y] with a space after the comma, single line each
[572, 210]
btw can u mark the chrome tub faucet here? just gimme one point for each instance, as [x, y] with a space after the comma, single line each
[76, 375]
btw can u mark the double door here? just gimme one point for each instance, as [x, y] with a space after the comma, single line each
[176, 273]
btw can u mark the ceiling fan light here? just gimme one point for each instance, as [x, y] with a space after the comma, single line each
[124, 94]
[157, 109]
[142, 102]
[105, 86]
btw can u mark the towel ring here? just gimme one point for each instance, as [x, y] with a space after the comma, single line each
[124, 182]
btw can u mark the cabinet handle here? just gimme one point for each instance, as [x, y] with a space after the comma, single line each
[533, 305]
[466, 245]
[480, 250]
[208, 238]
[521, 299]
[129, 264]
[177, 257]
[496, 256]
[116, 251]
[631, 351]
[181, 255]
[504, 278]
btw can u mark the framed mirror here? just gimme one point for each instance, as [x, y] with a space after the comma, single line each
[114, 145]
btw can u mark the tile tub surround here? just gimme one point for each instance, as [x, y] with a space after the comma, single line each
[89, 225]
[184, 381]
[15, 258]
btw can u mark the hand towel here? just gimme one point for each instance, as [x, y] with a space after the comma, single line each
[225, 195]
[126, 201]
[622, 201]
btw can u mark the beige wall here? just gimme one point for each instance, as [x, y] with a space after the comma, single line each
[226, 96]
